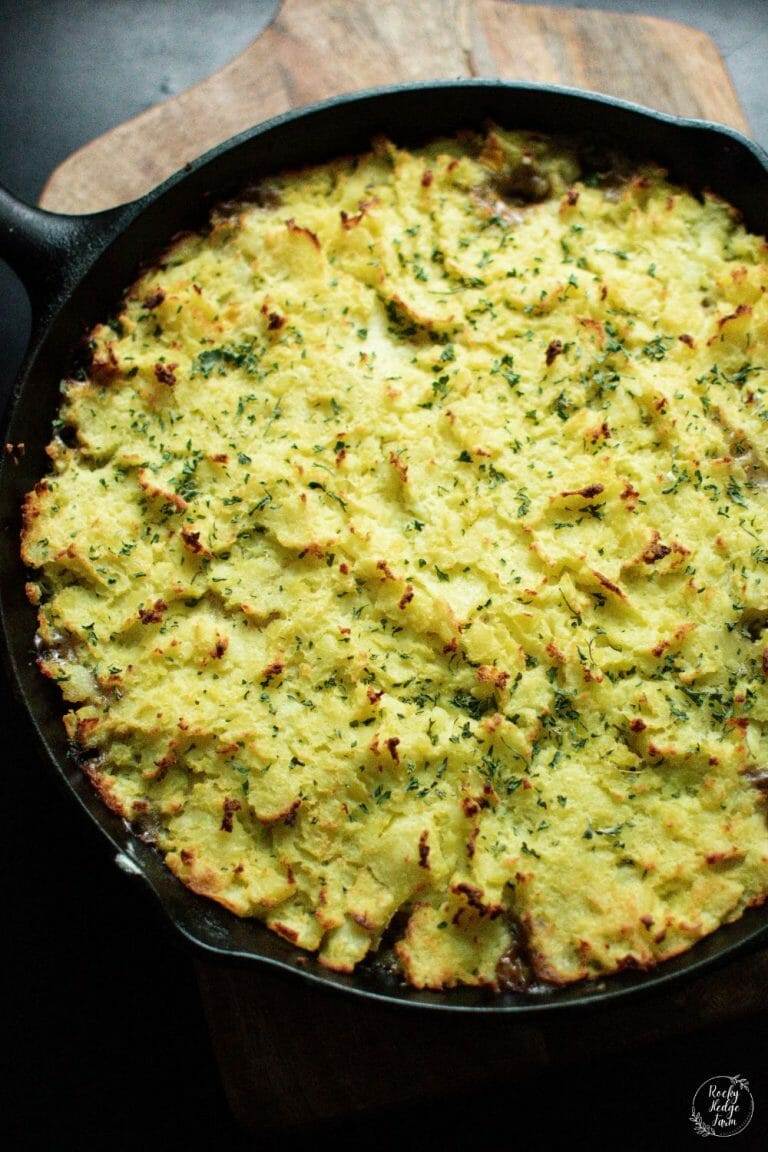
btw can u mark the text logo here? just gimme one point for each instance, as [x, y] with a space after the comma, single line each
[722, 1106]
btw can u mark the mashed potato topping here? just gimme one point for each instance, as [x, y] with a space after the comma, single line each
[404, 560]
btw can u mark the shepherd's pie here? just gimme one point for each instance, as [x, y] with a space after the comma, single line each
[404, 560]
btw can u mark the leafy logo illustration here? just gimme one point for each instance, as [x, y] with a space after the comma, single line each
[722, 1106]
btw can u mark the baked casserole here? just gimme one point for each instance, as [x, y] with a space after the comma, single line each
[404, 560]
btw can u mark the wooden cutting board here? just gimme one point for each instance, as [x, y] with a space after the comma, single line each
[288, 1053]
[291, 1054]
[318, 48]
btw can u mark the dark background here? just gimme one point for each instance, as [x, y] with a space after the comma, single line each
[104, 1042]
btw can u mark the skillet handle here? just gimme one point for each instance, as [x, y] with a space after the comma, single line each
[49, 252]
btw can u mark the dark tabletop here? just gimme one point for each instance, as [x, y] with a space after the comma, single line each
[105, 1045]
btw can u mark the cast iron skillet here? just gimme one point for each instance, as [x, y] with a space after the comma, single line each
[75, 270]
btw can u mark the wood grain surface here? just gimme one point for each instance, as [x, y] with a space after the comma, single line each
[319, 48]
[291, 1054]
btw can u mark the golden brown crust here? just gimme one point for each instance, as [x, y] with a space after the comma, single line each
[401, 558]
